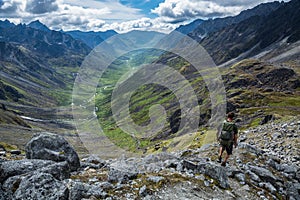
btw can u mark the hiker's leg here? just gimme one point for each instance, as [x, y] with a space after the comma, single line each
[226, 157]
[221, 150]
[228, 153]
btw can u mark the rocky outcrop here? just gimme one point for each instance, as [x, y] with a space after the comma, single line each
[14, 168]
[41, 186]
[48, 146]
[256, 170]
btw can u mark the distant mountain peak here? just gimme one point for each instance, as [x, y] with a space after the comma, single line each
[91, 38]
[6, 24]
[38, 25]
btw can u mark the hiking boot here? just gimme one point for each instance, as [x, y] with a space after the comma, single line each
[219, 159]
[223, 164]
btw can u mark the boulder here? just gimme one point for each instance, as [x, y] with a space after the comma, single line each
[93, 161]
[3, 194]
[14, 168]
[121, 175]
[12, 184]
[293, 190]
[216, 172]
[253, 176]
[48, 146]
[60, 171]
[250, 148]
[80, 191]
[41, 186]
[264, 174]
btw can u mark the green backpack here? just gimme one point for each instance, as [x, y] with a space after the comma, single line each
[227, 131]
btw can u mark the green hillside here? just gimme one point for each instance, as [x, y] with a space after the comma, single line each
[255, 89]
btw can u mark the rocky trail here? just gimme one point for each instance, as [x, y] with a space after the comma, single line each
[265, 165]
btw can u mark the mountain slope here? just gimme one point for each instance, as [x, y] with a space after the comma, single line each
[92, 39]
[212, 25]
[38, 25]
[38, 67]
[186, 29]
[254, 34]
[255, 89]
[53, 43]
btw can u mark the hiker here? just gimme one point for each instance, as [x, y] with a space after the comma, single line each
[227, 137]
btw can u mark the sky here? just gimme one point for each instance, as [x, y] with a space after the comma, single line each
[119, 15]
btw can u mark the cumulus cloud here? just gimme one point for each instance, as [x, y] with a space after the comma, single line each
[180, 10]
[84, 19]
[10, 8]
[67, 14]
[41, 6]
[103, 15]
[142, 24]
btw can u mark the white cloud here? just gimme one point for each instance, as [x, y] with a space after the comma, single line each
[68, 14]
[101, 15]
[141, 24]
[11, 8]
[176, 11]
[181, 10]
[40, 7]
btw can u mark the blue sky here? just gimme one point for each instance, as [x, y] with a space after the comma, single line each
[119, 15]
[144, 5]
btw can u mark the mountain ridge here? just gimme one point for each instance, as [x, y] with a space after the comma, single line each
[212, 25]
[257, 32]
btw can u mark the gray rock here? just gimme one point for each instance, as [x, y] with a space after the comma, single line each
[12, 184]
[206, 183]
[189, 165]
[242, 138]
[171, 163]
[121, 175]
[272, 163]
[253, 176]
[48, 146]
[264, 174]
[216, 172]
[293, 190]
[290, 169]
[59, 171]
[41, 186]
[240, 177]
[93, 161]
[105, 185]
[80, 191]
[276, 135]
[270, 188]
[250, 148]
[14, 168]
[231, 172]
[205, 147]
[4, 195]
[143, 191]
[155, 179]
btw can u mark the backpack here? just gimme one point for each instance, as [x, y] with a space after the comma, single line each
[227, 131]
